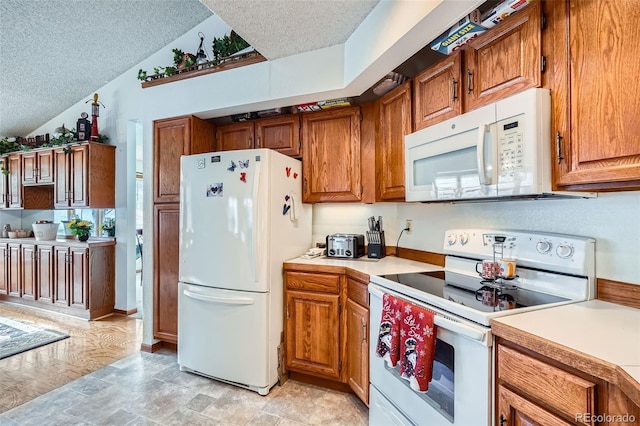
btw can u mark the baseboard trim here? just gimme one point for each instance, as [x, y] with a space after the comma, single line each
[123, 312]
[155, 347]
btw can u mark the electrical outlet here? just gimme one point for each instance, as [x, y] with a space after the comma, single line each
[408, 225]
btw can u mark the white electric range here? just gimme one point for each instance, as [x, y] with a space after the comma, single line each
[552, 269]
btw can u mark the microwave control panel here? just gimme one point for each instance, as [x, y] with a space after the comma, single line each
[511, 146]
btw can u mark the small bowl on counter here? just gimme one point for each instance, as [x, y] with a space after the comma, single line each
[18, 233]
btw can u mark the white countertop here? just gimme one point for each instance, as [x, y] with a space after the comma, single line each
[603, 330]
[70, 242]
[384, 266]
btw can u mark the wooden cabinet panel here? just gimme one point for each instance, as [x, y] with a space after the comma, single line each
[331, 155]
[563, 391]
[279, 133]
[438, 92]
[394, 123]
[61, 276]
[14, 189]
[37, 167]
[173, 138]
[505, 60]
[358, 349]
[14, 273]
[166, 225]
[4, 183]
[329, 283]
[313, 333]
[235, 136]
[44, 273]
[79, 277]
[61, 184]
[78, 176]
[28, 272]
[4, 268]
[595, 116]
[514, 410]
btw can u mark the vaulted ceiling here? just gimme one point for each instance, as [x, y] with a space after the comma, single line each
[55, 53]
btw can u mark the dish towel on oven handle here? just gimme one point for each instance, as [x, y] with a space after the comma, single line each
[388, 346]
[418, 346]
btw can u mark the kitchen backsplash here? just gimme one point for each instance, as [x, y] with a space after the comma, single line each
[612, 219]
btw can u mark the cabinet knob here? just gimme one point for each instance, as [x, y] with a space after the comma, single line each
[503, 419]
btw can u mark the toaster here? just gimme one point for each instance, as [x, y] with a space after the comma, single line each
[345, 245]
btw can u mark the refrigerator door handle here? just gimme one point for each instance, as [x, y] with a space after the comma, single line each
[220, 300]
[254, 231]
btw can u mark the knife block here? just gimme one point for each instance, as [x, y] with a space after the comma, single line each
[376, 249]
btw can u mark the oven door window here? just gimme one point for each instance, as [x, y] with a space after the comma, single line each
[441, 390]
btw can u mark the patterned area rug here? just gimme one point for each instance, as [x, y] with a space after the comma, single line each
[19, 336]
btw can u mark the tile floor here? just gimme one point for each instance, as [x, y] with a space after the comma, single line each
[149, 389]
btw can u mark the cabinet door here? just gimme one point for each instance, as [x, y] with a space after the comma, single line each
[235, 136]
[44, 273]
[170, 141]
[45, 166]
[280, 133]
[437, 92]
[313, 333]
[15, 269]
[358, 349]
[61, 174]
[78, 176]
[394, 124]
[29, 168]
[4, 268]
[15, 181]
[506, 59]
[4, 183]
[331, 156]
[595, 116]
[514, 410]
[79, 277]
[61, 276]
[28, 272]
[166, 225]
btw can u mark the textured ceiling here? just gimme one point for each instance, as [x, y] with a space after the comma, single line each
[55, 53]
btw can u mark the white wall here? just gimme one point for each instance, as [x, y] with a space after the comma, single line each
[613, 219]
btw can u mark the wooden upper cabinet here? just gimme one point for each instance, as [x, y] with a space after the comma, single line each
[596, 125]
[37, 167]
[235, 136]
[506, 59]
[394, 122]
[279, 133]
[4, 183]
[173, 138]
[331, 155]
[14, 181]
[438, 92]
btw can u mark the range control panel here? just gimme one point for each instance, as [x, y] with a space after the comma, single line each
[556, 252]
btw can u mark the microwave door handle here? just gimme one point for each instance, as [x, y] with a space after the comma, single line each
[482, 167]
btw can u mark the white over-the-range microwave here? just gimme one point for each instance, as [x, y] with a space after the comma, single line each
[499, 150]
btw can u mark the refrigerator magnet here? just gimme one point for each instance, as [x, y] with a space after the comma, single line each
[232, 167]
[214, 190]
[287, 171]
[243, 177]
[243, 164]
[295, 175]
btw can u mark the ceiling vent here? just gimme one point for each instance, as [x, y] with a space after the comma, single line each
[390, 81]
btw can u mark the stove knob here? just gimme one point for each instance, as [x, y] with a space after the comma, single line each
[451, 239]
[464, 238]
[332, 252]
[347, 253]
[543, 246]
[564, 251]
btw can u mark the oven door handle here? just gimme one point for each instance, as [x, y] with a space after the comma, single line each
[439, 320]
[459, 328]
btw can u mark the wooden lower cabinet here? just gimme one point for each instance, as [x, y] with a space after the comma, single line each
[327, 326]
[77, 280]
[532, 389]
[166, 229]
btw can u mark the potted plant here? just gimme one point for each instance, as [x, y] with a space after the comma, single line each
[108, 228]
[81, 228]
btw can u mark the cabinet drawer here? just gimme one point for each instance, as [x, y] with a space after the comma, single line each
[564, 392]
[327, 283]
[357, 292]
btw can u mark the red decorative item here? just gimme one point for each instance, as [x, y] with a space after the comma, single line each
[243, 177]
[295, 175]
[95, 112]
[418, 346]
[288, 170]
[390, 325]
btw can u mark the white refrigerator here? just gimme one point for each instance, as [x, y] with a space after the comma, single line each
[241, 216]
